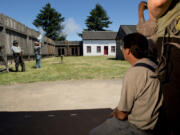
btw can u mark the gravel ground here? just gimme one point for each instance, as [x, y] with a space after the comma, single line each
[60, 95]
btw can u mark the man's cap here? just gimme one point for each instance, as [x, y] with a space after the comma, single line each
[15, 42]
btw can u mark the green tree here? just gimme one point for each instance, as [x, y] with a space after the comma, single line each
[98, 19]
[51, 22]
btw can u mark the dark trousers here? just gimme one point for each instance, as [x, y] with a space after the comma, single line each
[171, 90]
[171, 107]
[19, 61]
[171, 86]
[113, 126]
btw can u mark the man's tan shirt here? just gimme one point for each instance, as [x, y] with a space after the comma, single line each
[140, 96]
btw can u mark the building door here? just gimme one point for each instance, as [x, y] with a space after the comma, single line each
[73, 53]
[61, 51]
[105, 50]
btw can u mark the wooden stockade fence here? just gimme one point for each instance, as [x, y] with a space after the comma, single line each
[11, 30]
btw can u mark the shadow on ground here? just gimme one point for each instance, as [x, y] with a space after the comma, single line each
[66, 122]
[112, 59]
[116, 59]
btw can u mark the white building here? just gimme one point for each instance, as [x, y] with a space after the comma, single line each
[99, 43]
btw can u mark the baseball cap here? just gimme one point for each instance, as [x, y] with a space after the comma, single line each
[15, 42]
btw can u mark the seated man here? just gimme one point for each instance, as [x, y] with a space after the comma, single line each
[140, 101]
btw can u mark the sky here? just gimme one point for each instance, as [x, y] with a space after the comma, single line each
[75, 12]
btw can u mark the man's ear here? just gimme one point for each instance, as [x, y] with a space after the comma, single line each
[128, 51]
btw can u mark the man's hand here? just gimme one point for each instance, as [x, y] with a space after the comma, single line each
[142, 7]
[112, 114]
[119, 114]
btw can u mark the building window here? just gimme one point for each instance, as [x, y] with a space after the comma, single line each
[88, 49]
[98, 49]
[112, 49]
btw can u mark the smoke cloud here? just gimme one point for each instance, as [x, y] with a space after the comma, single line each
[70, 27]
[42, 34]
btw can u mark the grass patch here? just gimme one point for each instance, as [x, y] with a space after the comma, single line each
[73, 68]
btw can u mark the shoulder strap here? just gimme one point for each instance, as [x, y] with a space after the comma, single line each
[146, 66]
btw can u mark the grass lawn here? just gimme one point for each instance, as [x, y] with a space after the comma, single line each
[73, 68]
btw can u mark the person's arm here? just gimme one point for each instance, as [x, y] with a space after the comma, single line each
[20, 50]
[157, 8]
[142, 7]
[119, 114]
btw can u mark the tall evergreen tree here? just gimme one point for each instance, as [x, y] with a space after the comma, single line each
[98, 19]
[50, 21]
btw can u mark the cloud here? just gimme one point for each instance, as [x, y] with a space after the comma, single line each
[71, 27]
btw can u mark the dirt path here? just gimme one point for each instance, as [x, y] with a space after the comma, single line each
[60, 95]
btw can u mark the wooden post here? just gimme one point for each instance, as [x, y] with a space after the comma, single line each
[61, 59]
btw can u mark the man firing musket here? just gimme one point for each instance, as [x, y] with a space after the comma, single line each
[37, 51]
[17, 53]
[37, 47]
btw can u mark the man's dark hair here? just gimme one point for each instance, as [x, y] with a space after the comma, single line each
[137, 43]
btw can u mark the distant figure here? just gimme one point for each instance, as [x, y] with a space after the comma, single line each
[37, 52]
[17, 53]
[138, 110]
